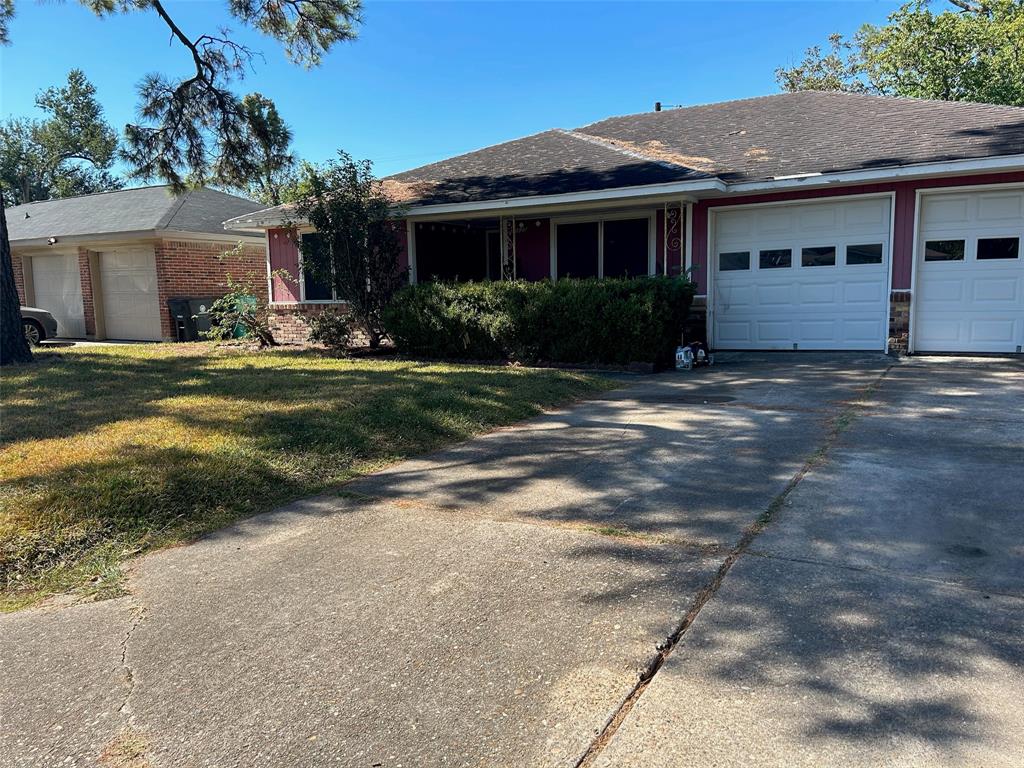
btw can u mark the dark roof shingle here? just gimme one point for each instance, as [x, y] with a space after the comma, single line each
[141, 209]
[746, 140]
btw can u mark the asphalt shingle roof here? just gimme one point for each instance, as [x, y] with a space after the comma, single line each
[762, 138]
[142, 209]
[747, 140]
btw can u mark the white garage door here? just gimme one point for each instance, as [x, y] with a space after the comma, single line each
[131, 308]
[806, 276]
[970, 273]
[57, 286]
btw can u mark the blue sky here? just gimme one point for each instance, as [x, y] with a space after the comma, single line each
[427, 80]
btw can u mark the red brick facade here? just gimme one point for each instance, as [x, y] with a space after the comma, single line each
[184, 268]
[194, 268]
[19, 277]
[287, 322]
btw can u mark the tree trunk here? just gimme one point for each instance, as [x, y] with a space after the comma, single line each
[13, 346]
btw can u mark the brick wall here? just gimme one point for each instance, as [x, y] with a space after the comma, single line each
[19, 277]
[899, 321]
[193, 268]
[288, 326]
[88, 305]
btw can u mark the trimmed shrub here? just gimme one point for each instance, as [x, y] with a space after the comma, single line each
[565, 321]
[332, 329]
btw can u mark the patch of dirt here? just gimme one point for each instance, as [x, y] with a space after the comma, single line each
[126, 750]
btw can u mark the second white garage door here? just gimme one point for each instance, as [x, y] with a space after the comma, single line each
[970, 272]
[131, 306]
[802, 276]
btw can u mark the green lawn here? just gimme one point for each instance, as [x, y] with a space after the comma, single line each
[109, 451]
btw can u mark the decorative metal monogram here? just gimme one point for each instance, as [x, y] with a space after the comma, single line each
[508, 248]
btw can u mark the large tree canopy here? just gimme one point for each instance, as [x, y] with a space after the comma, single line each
[270, 139]
[969, 51]
[69, 152]
[194, 129]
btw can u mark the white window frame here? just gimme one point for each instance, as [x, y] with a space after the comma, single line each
[652, 245]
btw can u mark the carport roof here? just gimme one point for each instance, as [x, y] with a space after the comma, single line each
[142, 209]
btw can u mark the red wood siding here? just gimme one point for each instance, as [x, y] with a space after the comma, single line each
[533, 250]
[284, 255]
[903, 240]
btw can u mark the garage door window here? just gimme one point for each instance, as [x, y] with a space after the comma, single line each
[823, 256]
[870, 253]
[776, 258]
[944, 250]
[733, 261]
[998, 248]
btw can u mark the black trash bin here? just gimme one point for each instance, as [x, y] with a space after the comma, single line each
[190, 316]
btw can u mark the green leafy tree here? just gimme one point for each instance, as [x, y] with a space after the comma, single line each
[69, 152]
[271, 140]
[357, 245]
[194, 128]
[970, 51]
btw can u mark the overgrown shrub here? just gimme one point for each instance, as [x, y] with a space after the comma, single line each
[240, 309]
[332, 329]
[565, 321]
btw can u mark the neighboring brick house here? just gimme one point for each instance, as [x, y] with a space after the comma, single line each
[808, 220]
[106, 264]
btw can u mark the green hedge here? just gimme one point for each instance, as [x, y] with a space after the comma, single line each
[565, 321]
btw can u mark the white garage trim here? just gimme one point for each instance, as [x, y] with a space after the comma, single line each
[916, 279]
[712, 240]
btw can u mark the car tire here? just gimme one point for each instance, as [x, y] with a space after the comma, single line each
[34, 332]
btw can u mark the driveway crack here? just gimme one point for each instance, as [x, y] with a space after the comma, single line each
[843, 419]
[128, 673]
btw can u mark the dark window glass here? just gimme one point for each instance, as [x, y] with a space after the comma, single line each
[824, 256]
[494, 255]
[998, 248]
[733, 261]
[317, 287]
[577, 249]
[625, 247]
[944, 250]
[776, 258]
[864, 254]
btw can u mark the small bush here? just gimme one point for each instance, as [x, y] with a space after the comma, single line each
[565, 321]
[332, 329]
[240, 308]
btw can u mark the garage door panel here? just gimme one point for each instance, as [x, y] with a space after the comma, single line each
[813, 307]
[131, 308]
[862, 332]
[867, 216]
[57, 285]
[777, 295]
[735, 333]
[819, 330]
[818, 219]
[818, 293]
[1000, 207]
[985, 289]
[775, 331]
[970, 305]
[864, 291]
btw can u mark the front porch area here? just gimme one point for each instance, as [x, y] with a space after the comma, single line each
[608, 243]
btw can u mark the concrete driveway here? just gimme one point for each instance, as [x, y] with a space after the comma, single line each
[785, 560]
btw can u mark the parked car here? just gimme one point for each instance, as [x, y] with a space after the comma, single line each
[38, 325]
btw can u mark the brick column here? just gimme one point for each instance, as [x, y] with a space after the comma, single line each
[899, 322]
[88, 305]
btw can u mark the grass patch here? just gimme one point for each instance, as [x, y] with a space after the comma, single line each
[109, 452]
